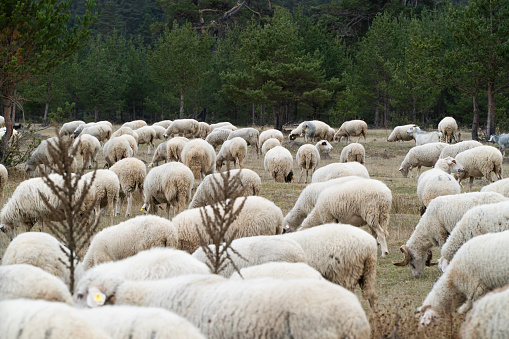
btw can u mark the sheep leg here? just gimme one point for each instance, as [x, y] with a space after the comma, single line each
[129, 204]
[300, 176]
[470, 184]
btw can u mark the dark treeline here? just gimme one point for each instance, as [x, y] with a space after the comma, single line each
[274, 62]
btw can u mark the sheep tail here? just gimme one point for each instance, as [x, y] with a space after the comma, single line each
[367, 282]
[308, 160]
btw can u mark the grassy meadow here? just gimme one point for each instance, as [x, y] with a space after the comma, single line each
[399, 293]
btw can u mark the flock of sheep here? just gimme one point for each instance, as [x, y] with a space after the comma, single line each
[149, 276]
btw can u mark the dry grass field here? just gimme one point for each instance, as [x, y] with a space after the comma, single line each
[399, 293]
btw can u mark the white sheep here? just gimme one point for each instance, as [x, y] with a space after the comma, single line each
[159, 131]
[223, 308]
[128, 238]
[203, 130]
[174, 148]
[269, 134]
[218, 136]
[269, 144]
[200, 157]
[160, 154]
[249, 134]
[330, 134]
[135, 124]
[146, 135]
[41, 156]
[308, 157]
[163, 123]
[423, 155]
[448, 127]
[132, 142]
[500, 186]
[4, 177]
[338, 170]
[250, 251]
[131, 173]
[278, 270]
[107, 189]
[68, 128]
[435, 225]
[399, 133]
[352, 128]
[480, 162]
[88, 147]
[295, 133]
[279, 162]
[154, 263]
[23, 281]
[353, 152]
[453, 150]
[123, 131]
[211, 186]
[479, 266]
[169, 184]
[258, 216]
[316, 130]
[225, 124]
[185, 127]
[422, 137]
[355, 202]
[116, 149]
[101, 131]
[235, 150]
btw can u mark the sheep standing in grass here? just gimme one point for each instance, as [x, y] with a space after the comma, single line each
[453, 150]
[146, 135]
[308, 131]
[132, 142]
[501, 140]
[338, 170]
[352, 128]
[200, 157]
[131, 173]
[355, 202]
[295, 133]
[116, 149]
[423, 155]
[442, 214]
[500, 186]
[160, 154]
[448, 127]
[399, 133]
[232, 150]
[218, 136]
[41, 156]
[185, 127]
[101, 131]
[269, 134]
[353, 152]
[4, 177]
[308, 157]
[159, 131]
[128, 238]
[107, 189]
[269, 144]
[174, 148]
[279, 161]
[480, 162]
[88, 147]
[169, 184]
[68, 128]
[203, 130]
[249, 134]
[422, 137]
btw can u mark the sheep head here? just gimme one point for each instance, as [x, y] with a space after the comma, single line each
[429, 315]
[415, 262]
[289, 177]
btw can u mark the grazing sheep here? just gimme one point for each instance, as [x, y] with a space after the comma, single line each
[131, 173]
[174, 148]
[278, 270]
[235, 150]
[448, 127]
[453, 150]
[269, 144]
[479, 266]
[258, 216]
[423, 155]
[101, 131]
[146, 135]
[226, 125]
[128, 238]
[399, 133]
[422, 137]
[353, 152]
[163, 123]
[249, 134]
[352, 128]
[135, 124]
[169, 184]
[68, 128]
[480, 162]
[151, 264]
[132, 142]
[308, 157]
[41, 156]
[296, 132]
[160, 154]
[501, 140]
[4, 176]
[22, 281]
[200, 157]
[250, 251]
[88, 147]
[330, 134]
[159, 131]
[250, 184]
[116, 149]
[500, 186]
[355, 202]
[308, 131]
[203, 130]
[248, 309]
[269, 134]
[279, 161]
[323, 131]
[338, 170]
[107, 189]
[123, 131]
[185, 127]
[435, 225]
[218, 136]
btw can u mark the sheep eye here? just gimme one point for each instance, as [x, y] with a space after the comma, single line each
[80, 296]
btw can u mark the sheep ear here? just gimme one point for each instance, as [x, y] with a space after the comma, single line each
[400, 169]
[95, 297]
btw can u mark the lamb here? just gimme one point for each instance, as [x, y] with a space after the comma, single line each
[203, 130]
[423, 155]
[68, 128]
[448, 127]
[435, 225]
[235, 150]
[128, 238]
[22, 319]
[169, 184]
[101, 131]
[115, 150]
[200, 157]
[352, 128]
[154, 263]
[250, 184]
[123, 131]
[160, 154]
[31, 282]
[217, 137]
[135, 124]
[422, 137]
[279, 161]
[353, 152]
[4, 176]
[174, 148]
[278, 270]
[107, 189]
[269, 144]
[131, 173]
[500, 186]
[88, 147]
[470, 275]
[478, 162]
[185, 127]
[476, 221]
[226, 125]
[338, 170]
[159, 131]
[163, 123]
[308, 157]
[258, 216]
[501, 140]
[249, 134]
[133, 143]
[355, 202]
[223, 308]
[269, 134]
[399, 133]
[146, 135]
[453, 150]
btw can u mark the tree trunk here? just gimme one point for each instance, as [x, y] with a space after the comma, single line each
[414, 109]
[96, 113]
[490, 123]
[475, 120]
[134, 110]
[262, 113]
[7, 103]
[253, 114]
[46, 109]
[377, 108]
[181, 111]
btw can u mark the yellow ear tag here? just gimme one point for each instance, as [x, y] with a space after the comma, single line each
[98, 298]
[141, 209]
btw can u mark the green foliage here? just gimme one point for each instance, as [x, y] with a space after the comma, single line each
[63, 114]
